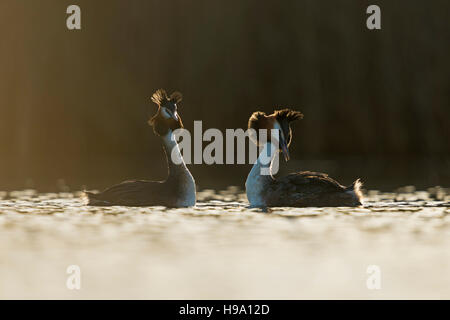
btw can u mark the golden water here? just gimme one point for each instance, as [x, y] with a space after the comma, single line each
[221, 249]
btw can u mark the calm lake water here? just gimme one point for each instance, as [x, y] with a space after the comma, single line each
[222, 250]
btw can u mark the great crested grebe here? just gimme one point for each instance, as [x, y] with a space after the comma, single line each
[178, 190]
[300, 189]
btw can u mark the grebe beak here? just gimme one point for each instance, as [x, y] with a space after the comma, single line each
[284, 149]
[172, 114]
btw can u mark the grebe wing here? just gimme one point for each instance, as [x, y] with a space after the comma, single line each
[303, 189]
[308, 180]
[131, 193]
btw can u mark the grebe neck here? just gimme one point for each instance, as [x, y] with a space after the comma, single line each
[179, 175]
[260, 175]
[174, 157]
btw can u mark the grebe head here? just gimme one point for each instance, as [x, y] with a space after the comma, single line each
[167, 117]
[279, 119]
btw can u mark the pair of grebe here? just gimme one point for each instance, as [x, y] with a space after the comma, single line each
[300, 189]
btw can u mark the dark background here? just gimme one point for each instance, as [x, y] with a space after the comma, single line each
[74, 104]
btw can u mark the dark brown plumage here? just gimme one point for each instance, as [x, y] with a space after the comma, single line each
[311, 189]
[139, 193]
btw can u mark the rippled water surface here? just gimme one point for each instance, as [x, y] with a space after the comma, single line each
[221, 249]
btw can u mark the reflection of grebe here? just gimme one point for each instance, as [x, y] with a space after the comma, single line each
[178, 190]
[300, 189]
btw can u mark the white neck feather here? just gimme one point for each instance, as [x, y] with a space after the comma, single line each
[260, 175]
[178, 171]
[172, 149]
